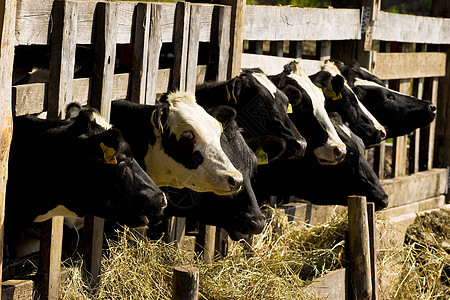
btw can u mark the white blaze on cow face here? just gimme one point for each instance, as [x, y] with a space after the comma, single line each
[334, 149]
[262, 78]
[215, 174]
[331, 67]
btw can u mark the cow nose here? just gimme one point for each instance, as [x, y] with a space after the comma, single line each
[432, 108]
[339, 153]
[255, 224]
[300, 147]
[382, 134]
[235, 182]
[164, 201]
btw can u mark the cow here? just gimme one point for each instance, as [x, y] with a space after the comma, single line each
[261, 112]
[309, 114]
[323, 184]
[399, 113]
[238, 214]
[178, 142]
[73, 168]
[346, 103]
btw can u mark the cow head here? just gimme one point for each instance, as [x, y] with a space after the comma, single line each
[187, 150]
[239, 214]
[309, 114]
[347, 104]
[261, 113]
[399, 113]
[112, 184]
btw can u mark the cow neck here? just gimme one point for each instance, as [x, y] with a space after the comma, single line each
[214, 94]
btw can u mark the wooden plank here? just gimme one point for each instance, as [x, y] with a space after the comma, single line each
[415, 187]
[17, 289]
[180, 44]
[276, 48]
[373, 247]
[410, 65]
[278, 23]
[104, 60]
[236, 37]
[50, 258]
[411, 29]
[7, 21]
[256, 47]
[272, 65]
[333, 285]
[412, 208]
[154, 48]
[193, 46]
[220, 44]
[295, 49]
[379, 160]
[141, 42]
[359, 249]
[62, 63]
[176, 230]
[325, 50]
[92, 246]
[185, 283]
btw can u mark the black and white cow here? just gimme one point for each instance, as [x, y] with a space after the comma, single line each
[261, 112]
[309, 114]
[73, 168]
[239, 214]
[323, 184]
[178, 142]
[399, 113]
[346, 103]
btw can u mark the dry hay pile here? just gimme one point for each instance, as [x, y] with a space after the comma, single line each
[422, 264]
[279, 265]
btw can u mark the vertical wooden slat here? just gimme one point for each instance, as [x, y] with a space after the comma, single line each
[295, 49]
[7, 26]
[154, 49]
[428, 133]
[101, 95]
[220, 43]
[373, 246]
[359, 249]
[325, 50]
[180, 44]
[276, 48]
[176, 230]
[193, 46]
[379, 156]
[256, 47]
[185, 283]
[141, 40]
[62, 64]
[236, 38]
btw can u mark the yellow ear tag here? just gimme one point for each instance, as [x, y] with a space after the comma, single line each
[261, 156]
[329, 93]
[229, 95]
[108, 154]
[289, 108]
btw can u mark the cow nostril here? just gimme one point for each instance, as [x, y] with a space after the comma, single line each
[432, 107]
[382, 134]
[164, 201]
[338, 153]
[231, 181]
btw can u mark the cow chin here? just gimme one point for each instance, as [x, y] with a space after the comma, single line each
[237, 235]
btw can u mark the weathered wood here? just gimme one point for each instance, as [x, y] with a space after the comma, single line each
[410, 65]
[193, 46]
[412, 208]
[185, 283]
[333, 285]
[92, 246]
[17, 289]
[411, 29]
[276, 48]
[180, 44]
[7, 22]
[325, 50]
[105, 56]
[415, 187]
[238, 8]
[256, 47]
[207, 242]
[154, 48]
[62, 63]
[359, 249]
[373, 247]
[282, 23]
[272, 65]
[295, 49]
[428, 133]
[176, 229]
[50, 258]
[379, 160]
[141, 45]
[220, 44]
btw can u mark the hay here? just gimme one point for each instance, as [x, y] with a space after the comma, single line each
[422, 265]
[284, 258]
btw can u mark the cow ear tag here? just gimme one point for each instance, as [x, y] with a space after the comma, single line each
[229, 95]
[329, 93]
[289, 108]
[261, 156]
[108, 154]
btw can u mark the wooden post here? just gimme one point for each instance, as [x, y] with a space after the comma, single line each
[237, 31]
[256, 47]
[276, 48]
[154, 48]
[102, 87]
[295, 49]
[220, 44]
[373, 242]
[185, 283]
[7, 26]
[193, 46]
[359, 248]
[180, 44]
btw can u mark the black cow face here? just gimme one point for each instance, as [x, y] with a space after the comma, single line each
[118, 187]
[400, 114]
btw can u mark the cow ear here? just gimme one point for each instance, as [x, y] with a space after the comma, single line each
[160, 116]
[223, 113]
[294, 95]
[105, 145]
[72, 110]
[233, 89]
[337, 83]
[321, 79]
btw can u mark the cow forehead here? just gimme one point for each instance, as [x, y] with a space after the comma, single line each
[264, 81]
[191, 116]
[97, 118]
[363, 82]
[310, 88]
[331, 67]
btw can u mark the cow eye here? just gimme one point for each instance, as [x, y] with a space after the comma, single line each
[389, 98]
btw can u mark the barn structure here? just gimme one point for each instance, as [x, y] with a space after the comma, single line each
[212, 42]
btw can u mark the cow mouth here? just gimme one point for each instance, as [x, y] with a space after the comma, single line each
[326, 162]
[144, 220]
[239, 235]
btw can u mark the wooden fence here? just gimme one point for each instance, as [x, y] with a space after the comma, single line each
[207, 42]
